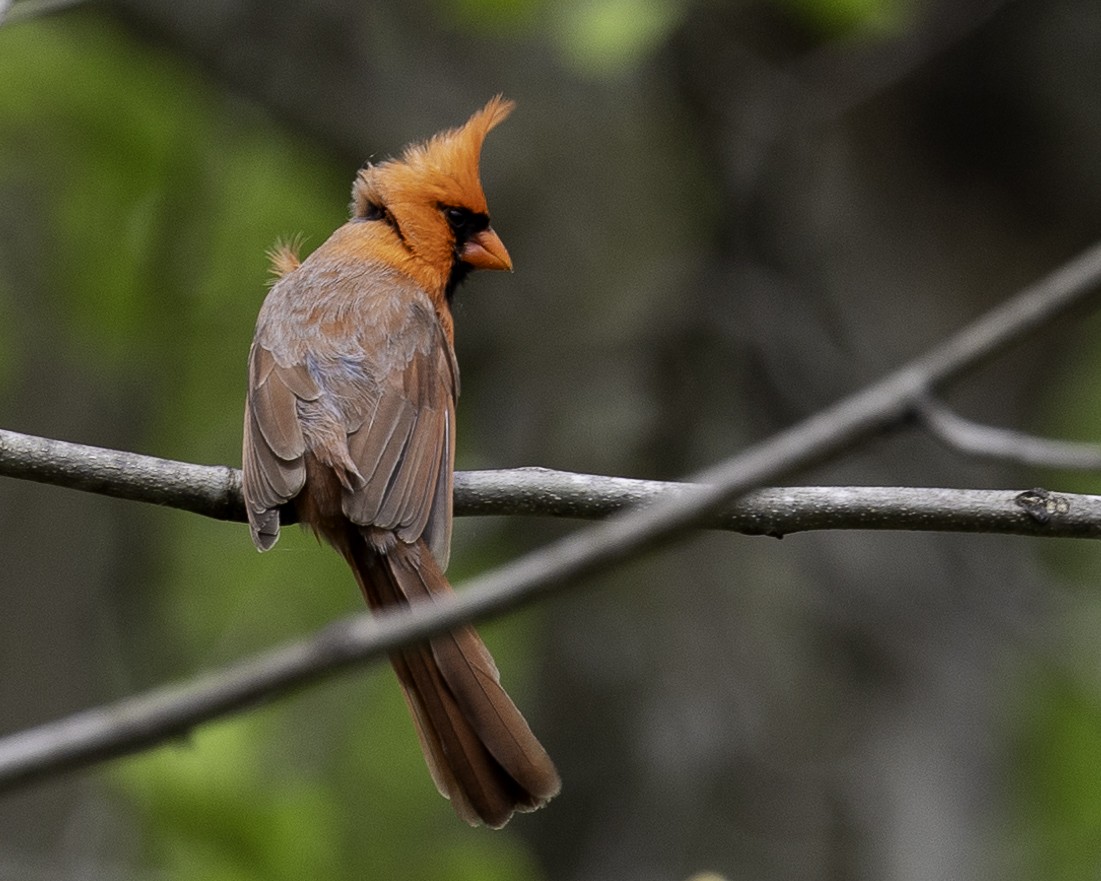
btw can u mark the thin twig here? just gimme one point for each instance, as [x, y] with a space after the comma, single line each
[140, 721]
[987, 442]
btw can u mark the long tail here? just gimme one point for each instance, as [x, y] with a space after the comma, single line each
[479, 749]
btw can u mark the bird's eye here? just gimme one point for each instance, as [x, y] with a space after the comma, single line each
[459, 218]
[464, 222]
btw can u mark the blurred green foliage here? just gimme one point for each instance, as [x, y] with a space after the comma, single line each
[595, 38]
[492, 16]
[602, 38]
[608, 36]
[851, 18]
[1058, 790]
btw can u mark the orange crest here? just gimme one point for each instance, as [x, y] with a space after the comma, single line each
[444, 168]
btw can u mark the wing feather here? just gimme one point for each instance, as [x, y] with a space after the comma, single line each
[375, 403]
[422, 494]
[274, 444]
[377, 451]
[437, 529]
[406, 449]
[414, 472]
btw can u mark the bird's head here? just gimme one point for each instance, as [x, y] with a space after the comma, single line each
[431, 199]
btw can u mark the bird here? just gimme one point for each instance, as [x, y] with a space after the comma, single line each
[350, 421]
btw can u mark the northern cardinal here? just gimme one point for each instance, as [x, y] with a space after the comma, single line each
[351, 417]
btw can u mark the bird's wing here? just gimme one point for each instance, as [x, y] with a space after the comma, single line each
[369, 391]
[274, 445]
[401, 436]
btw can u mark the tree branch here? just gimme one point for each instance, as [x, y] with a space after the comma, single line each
[782, 511]
[211, 490]
[987, 442]
[215, 491]
[134, 723]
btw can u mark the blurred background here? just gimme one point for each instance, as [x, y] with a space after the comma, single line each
[723, 215]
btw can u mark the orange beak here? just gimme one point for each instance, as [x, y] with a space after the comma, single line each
[485, 250]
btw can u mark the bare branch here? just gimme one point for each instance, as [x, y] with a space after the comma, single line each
[215, 491]
[212, 490]
[140, 721]
[988, 442]
[782, 511]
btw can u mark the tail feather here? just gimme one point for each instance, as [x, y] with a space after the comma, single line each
[431, 746]
[462, 769]
[472, 677]
[480, 751]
